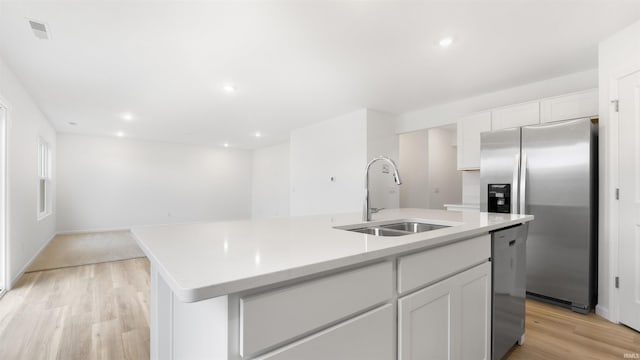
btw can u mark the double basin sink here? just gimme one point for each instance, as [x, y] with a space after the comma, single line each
[393, 228]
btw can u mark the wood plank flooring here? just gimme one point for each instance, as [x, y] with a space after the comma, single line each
[67, 250]
[101, 311]
[98, 311]
[553, 333]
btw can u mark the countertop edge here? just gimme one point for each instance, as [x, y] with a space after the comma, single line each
[239, 285]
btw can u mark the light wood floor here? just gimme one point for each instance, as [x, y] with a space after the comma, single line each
[67, 250]
[101, 311]
[553, 332]
[96, 311]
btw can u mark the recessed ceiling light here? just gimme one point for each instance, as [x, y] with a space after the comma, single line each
[119, 134]
[258, 134]
[72, 123]
[127, 116]
[229, 88]
[446, 42]
[225, 144]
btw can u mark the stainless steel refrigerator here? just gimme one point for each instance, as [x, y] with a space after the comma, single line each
[549, 171]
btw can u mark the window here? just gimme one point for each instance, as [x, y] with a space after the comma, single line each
[44, 179]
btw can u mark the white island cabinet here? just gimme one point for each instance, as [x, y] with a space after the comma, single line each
[448, 320]
[298, 288]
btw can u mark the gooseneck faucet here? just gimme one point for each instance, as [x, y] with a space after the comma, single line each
[366, 211]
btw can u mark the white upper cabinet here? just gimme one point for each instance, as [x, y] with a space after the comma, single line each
[515, 116]
[565, 107]
[469, 129]
[571, 106]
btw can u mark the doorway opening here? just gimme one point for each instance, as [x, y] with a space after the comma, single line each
[428, 162]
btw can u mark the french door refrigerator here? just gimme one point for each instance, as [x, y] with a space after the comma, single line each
[549, 171]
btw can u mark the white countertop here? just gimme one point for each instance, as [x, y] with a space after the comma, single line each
[201, 261]
[465, 206]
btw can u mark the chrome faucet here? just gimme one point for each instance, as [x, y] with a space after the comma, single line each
[366, 211]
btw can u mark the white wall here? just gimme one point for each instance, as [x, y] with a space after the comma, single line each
[328, 160]
[445, 181]
[619, 55]
[382, 140]
[270, 182]
[333, 148]
[450, 113]
[111, 183]
[414, 163]
[25, 123]
[428, 163]
[471, 187]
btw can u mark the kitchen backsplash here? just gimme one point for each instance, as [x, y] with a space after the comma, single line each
[471, 187]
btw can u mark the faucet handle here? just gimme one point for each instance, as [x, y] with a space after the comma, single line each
[375, 210]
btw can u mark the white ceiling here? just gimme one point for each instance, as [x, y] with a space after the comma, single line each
[293, 62]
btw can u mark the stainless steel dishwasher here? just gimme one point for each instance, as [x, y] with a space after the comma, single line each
[508, 256]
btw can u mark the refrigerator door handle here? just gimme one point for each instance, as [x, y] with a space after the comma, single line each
[523, 182]
[514, 186]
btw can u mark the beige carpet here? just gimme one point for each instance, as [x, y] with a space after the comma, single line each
[89, 248]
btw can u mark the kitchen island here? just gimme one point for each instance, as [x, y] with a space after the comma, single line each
[298, 288]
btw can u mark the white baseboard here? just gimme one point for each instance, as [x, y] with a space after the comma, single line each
[24, 268]
[89, 231]
[603, 311]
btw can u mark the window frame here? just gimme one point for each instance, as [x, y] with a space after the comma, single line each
[44, 175]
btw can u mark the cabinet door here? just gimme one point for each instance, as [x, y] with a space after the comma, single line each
[448, 320]
[515, 116]
[475, 313]
[369, 336]
[469, 129]
[426, 323]
[571, 106]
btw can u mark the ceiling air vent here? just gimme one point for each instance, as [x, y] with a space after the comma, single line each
[40, 30]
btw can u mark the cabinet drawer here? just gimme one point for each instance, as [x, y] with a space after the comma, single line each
[423, 268]
[273, 317]
[369, 336]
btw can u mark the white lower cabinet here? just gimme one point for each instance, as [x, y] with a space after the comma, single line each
[430, 304]
[274, 317]
[449, 319]
[368, 336]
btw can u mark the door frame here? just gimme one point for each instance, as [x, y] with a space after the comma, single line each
[5, 281]
[612, 218]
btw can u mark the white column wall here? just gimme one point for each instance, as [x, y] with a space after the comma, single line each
[414, 164]
[381, 141]
[445, 181]
[327, 163]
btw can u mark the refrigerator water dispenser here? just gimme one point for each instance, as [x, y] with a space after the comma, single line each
[499, 200]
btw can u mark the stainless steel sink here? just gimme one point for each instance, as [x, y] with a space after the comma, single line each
[413, 227]
[393, 227]
[378, 231]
